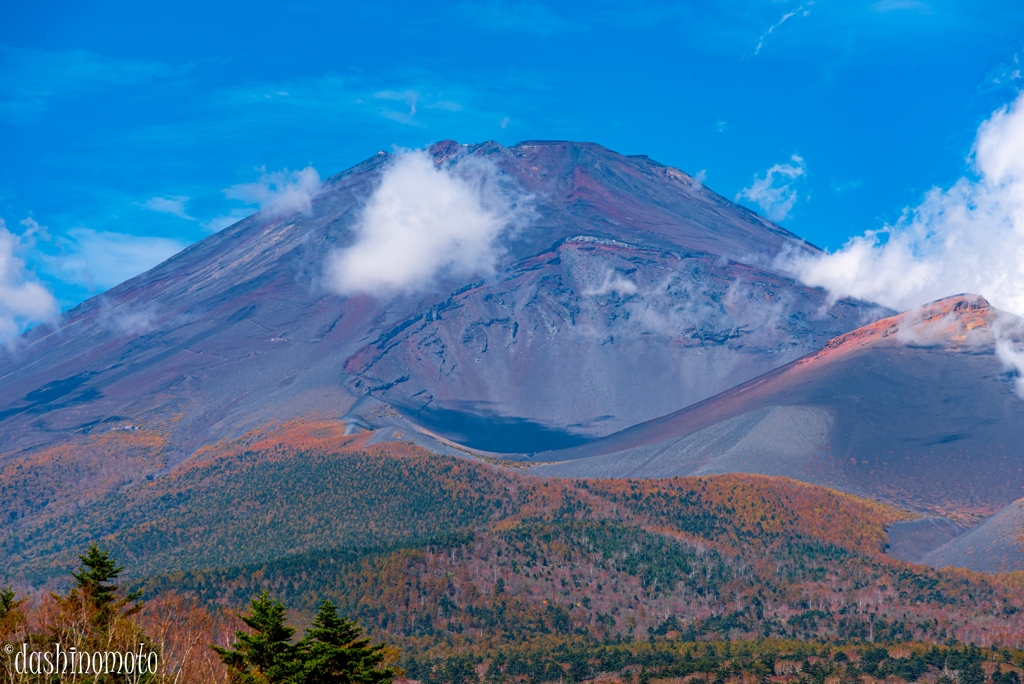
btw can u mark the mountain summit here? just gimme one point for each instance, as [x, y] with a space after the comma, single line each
[623, 289]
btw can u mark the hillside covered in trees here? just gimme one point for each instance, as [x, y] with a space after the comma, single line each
[451, 559]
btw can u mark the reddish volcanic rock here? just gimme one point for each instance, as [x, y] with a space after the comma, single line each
[915, 409]
[238, 330]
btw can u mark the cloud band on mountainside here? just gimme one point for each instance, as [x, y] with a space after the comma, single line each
[276, 193]
[23, 300]
[967, 238]
[424, 222]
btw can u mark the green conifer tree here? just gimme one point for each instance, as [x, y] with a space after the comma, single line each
[10, 611]
[266, 656]
[94, 583]
[335, 652]
[12, 618]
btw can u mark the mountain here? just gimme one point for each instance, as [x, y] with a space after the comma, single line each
[632, 290]
[996, 545]
[916, 410]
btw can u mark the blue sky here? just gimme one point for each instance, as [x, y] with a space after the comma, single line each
[122, 126]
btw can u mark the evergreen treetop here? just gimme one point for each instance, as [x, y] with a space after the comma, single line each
[94, 582]
[266, 655]
[333, 651]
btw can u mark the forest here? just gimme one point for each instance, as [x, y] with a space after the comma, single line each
[477, 571]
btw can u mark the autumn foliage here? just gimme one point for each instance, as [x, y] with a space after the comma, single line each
[445, 557]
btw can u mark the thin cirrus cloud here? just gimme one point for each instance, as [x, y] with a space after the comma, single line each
[423, 223]
[409, 97]
[175, 206]
[776, 193]
[98, 260]
[802, 10]
[23, 299]
[32, 79]
[446, 105]
[219, 223]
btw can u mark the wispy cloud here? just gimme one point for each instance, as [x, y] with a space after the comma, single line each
[775, 194]
[30, 79]
[23, 299]
[132, 321]
[276, 193]
[219, 223]
[409, 97]
[802, 10]
[99, 260]
[1012, 358]
[846, 186]
[1006, 74]
[425, 222]
[966, 238]
[280, 192]
[446, 105]
[613, 282]
[33, 233]
[174, 205]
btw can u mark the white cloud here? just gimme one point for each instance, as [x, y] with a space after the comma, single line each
[424, 222]
[280, 192]
[785, 17]
[31, 78]
[446, 105]
[23, 300]
[504, 122]
[775, 201]
[33, 233]
[131, 322]
[613, 282]
[219, 223]
[409, 97]
[699, 179]
[174, 205]
[1005, 74]
[967, 238]
[847, 185]
[1012, 359]
[100, 259]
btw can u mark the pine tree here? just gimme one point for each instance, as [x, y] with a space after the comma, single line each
[266, 656]
[12, 618]
[94, 585]
[10, 611]
[335, 651]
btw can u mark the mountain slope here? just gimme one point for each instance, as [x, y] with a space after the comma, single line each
[996, 545]
[441, 551]
[916, 410]
[550, 351]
